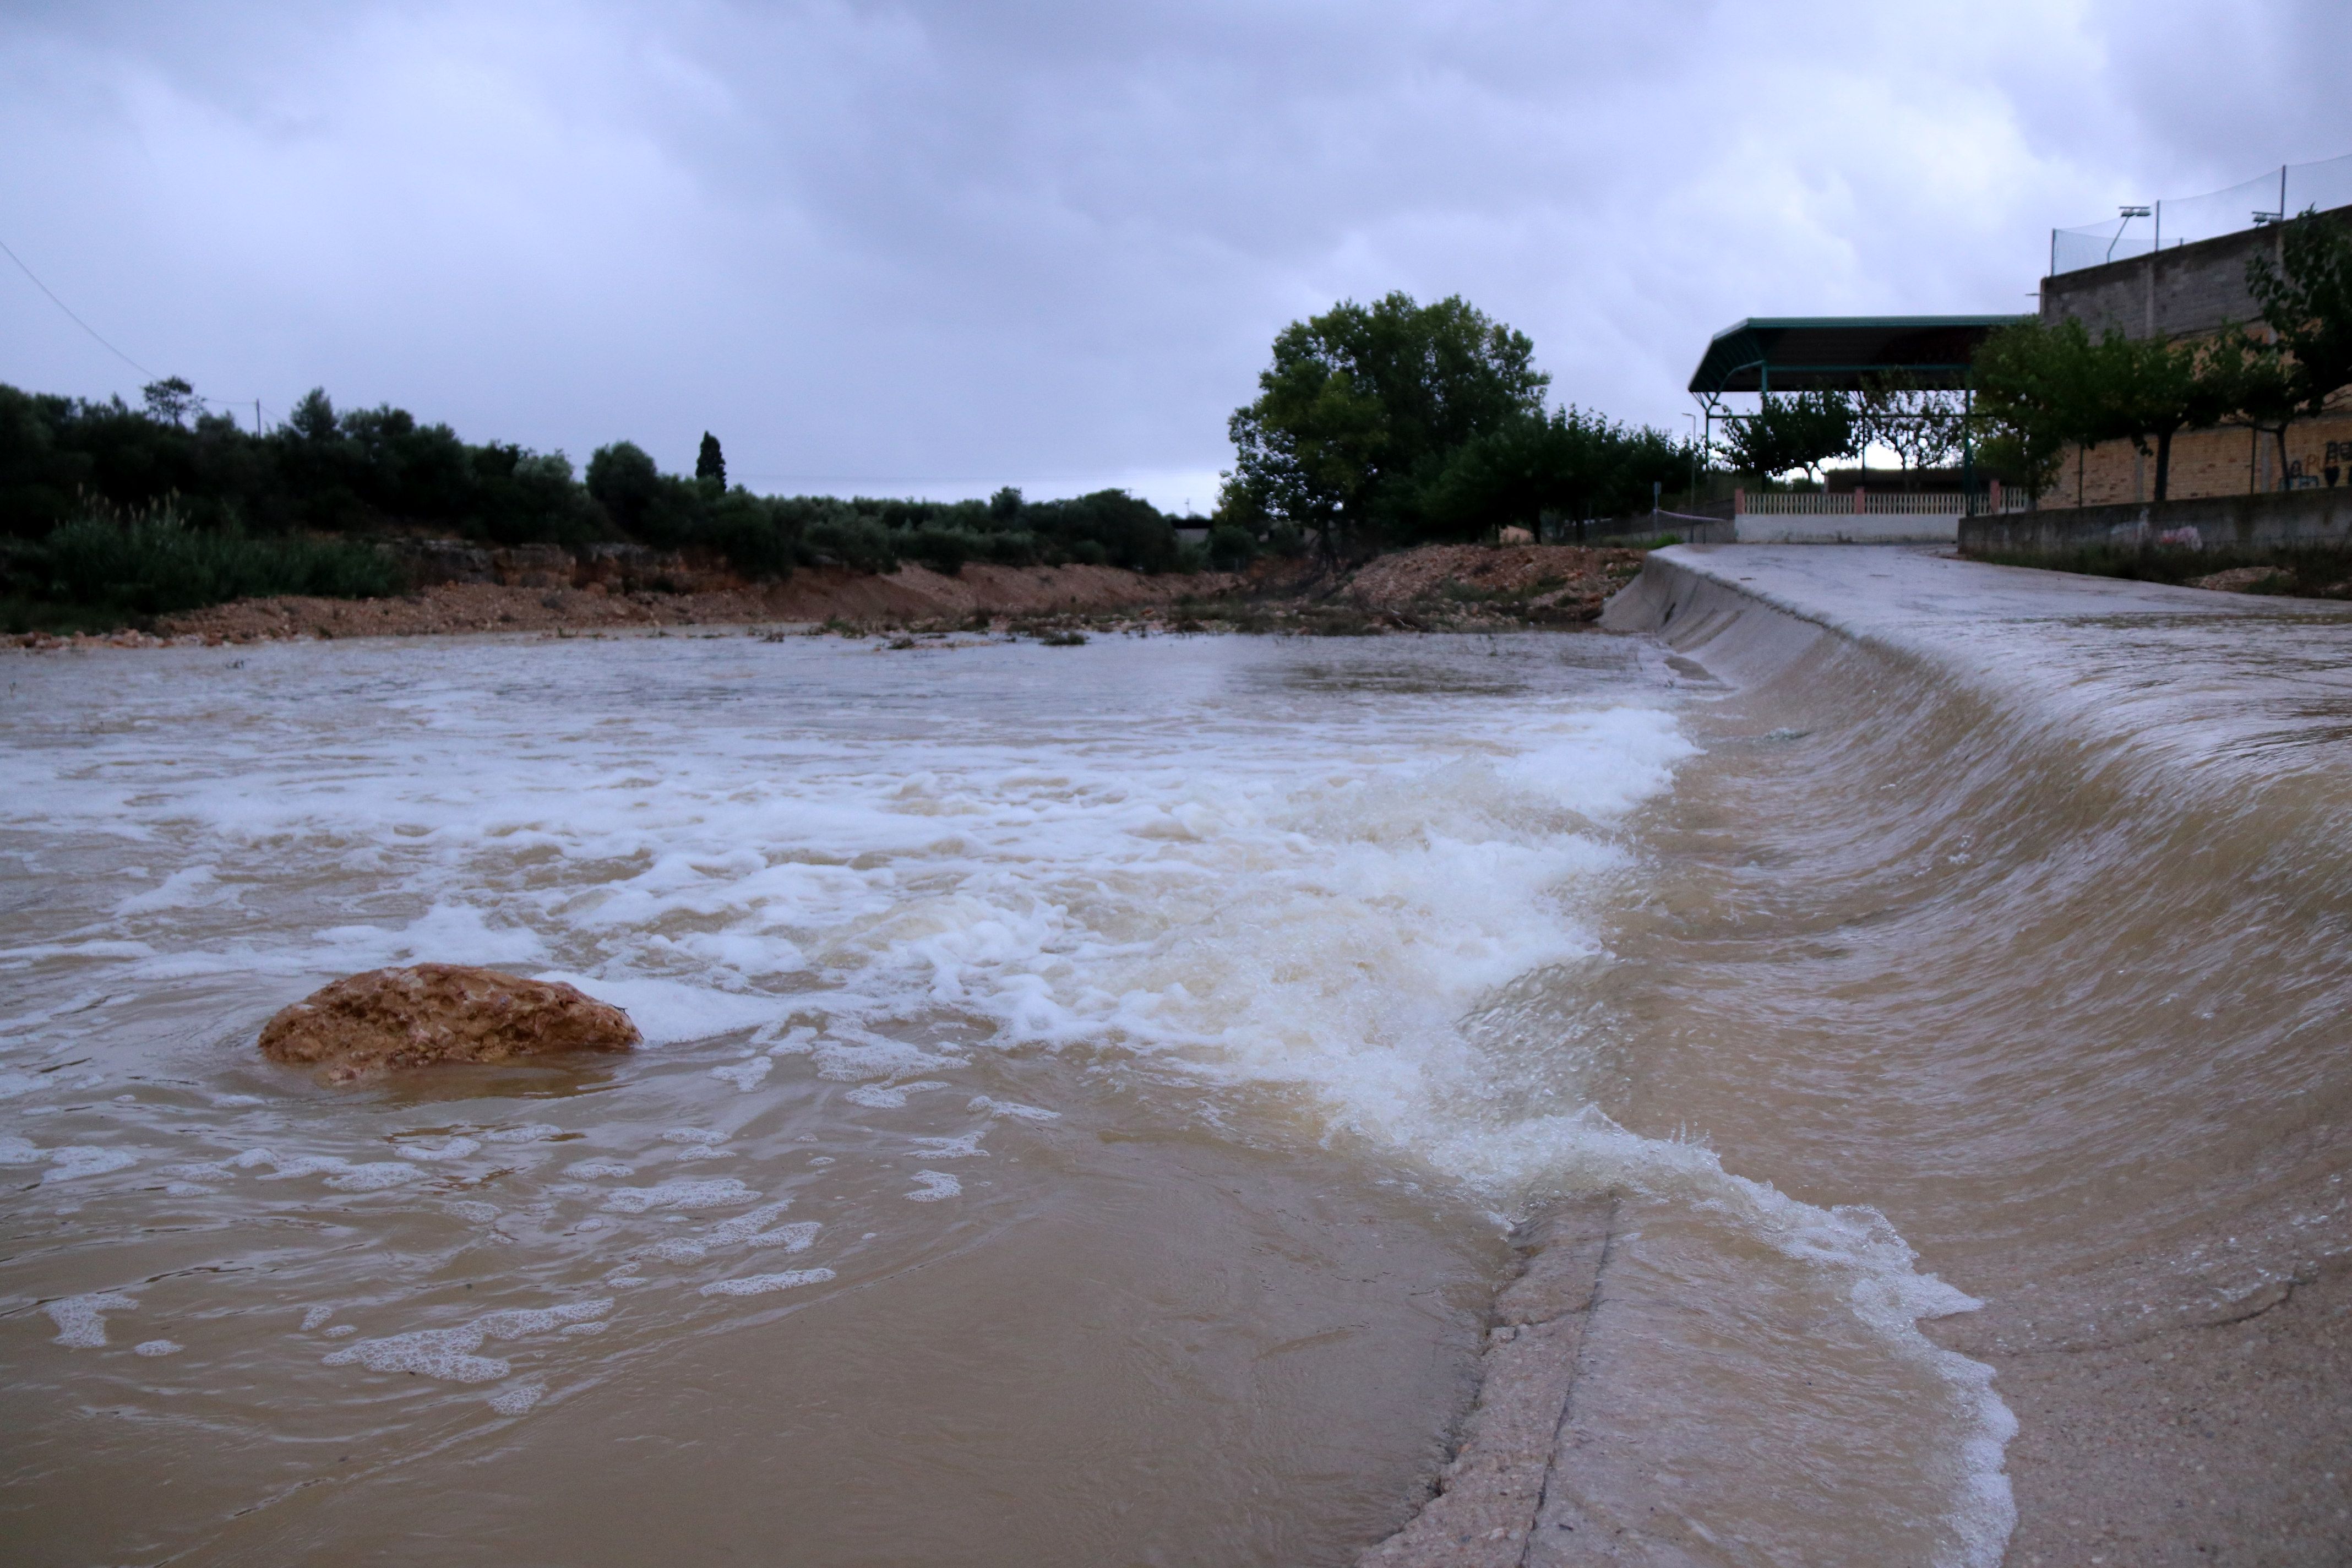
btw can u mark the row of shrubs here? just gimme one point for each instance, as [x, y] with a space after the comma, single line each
[370, 471]
[100, 570]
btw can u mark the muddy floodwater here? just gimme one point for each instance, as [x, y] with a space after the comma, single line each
[1086, 1093]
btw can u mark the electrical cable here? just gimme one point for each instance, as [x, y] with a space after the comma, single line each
[77, 321]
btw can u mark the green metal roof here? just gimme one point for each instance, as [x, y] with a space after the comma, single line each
[1832, 353]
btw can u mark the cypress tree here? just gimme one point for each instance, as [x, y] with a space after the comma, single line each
[710, 463]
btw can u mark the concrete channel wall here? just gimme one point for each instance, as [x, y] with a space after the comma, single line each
[2279, 518]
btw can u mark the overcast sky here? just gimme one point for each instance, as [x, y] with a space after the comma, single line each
[928, 247]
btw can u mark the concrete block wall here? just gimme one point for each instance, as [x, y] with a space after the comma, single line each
[2282, 518]
[2227, 461]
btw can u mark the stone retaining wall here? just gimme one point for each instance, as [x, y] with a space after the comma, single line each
[2284, 518]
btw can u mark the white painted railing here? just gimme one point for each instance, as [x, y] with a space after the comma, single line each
[1866, 503]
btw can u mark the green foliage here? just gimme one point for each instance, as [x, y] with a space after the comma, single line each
[1231, 549]
[1924, 426]
[328, 470]
[155, 564]
[860, 543]
[2308, 302]
[1362, 404]
[1568, 465]
[709, 463]
[1784, 433]
[171, 400]
[2044, 387]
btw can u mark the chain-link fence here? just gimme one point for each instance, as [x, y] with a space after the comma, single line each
[2140, 230]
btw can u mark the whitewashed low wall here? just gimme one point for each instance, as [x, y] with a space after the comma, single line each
[1847, 528]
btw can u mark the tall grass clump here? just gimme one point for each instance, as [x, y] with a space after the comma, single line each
[104, 566]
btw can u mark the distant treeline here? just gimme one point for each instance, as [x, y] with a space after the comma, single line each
[70, 461]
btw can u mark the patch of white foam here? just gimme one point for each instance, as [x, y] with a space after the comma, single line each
[157, 1347]
[81, 1320]
[370, 1177]
[450, 1352]
[988, 1107]
[761, 1284]
[890, 1096]
[435, 1149]
[683, 1194]
[745, 1075]
[519, 1398]
[936, 1185]
[669, 1012]
[191, 885]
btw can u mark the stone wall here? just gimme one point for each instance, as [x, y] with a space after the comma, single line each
[2289, 517]
[2210, 463]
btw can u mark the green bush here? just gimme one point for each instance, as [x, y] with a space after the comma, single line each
[153, 565]
[943, 550]
[858, 542]
[1231, 549]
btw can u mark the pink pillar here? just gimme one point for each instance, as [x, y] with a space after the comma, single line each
[1857, 500]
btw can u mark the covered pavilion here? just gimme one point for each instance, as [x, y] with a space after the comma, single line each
[1765, 354]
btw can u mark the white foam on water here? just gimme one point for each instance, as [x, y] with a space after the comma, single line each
[1245, 867]
[314, 1316]
[368, 1177]
[76, 1161]
[988, 1107]
[435, 1149]
[682, 1194]
[514, 1401]
[157, 1347]
[81, 1320]
[181, 888]
[937, 1184]
[890, 1096]
[450, 1352]
[761, 1284]
[745, 1075]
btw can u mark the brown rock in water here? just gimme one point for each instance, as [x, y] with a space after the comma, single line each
[431, 1012]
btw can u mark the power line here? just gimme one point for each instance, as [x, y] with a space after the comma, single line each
[77, 321]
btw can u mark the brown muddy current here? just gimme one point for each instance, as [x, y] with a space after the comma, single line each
[1087, 1090]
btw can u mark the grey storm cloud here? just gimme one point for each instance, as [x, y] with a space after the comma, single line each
[930, 247]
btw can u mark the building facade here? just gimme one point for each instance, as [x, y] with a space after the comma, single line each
[2191, 291]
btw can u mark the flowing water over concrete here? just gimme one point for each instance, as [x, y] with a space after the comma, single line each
[1088, 1088]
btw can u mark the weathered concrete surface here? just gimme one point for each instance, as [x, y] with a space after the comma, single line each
[2206, 523]
[1494, 1492]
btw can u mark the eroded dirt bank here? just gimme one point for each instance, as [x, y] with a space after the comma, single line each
[1438, 587]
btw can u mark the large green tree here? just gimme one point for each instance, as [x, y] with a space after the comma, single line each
[1360, 408]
